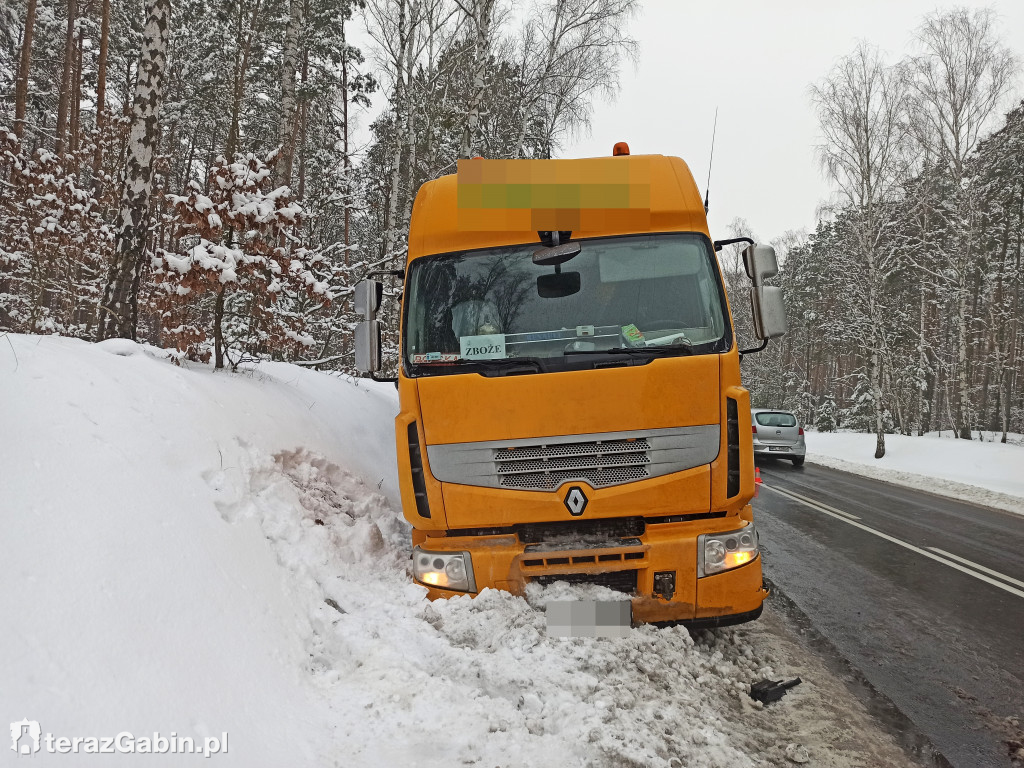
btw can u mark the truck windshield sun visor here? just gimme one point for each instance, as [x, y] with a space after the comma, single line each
[651, 295]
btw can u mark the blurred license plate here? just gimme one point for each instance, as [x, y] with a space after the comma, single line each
[589, 618]
[777, 448]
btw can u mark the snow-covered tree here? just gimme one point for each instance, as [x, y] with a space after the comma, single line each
[863, 110]
[961, 76]
[827, 417]
[243, 277]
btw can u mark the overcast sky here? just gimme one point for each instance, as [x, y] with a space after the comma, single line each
[754, 60]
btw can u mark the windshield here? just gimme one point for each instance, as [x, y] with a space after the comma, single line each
[776, 419]
[638, 296]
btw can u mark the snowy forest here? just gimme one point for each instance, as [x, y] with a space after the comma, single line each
[905, 304]
[185, 173]
[214, 177]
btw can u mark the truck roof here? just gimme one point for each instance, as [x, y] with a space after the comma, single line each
[505, 202]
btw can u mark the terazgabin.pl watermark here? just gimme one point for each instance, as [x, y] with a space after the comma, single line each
[27, 738]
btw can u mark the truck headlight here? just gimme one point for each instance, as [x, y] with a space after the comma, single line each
[449, 570]
[724, 551]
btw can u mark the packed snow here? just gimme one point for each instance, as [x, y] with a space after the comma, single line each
[985, 472]
[199, 552]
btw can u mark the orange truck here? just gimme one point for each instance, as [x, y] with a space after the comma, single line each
[569, 383]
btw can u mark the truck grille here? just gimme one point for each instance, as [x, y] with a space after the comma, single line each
[620, 581]
[546, 467]
[600, 459]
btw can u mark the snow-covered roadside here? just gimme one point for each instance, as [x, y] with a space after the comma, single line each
[129, 603]
[987, 473]
[197, 552]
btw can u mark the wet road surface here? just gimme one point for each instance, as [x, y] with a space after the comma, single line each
[923, 595]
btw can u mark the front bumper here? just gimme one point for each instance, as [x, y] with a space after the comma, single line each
[503, 562]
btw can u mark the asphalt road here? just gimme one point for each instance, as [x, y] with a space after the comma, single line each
[923, 595]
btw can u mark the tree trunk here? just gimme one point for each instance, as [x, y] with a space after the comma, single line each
[21, 89]
[963, 400]
[401, 121]
[218, 329]
[65, 83]
[481, 48]
[101, 94]
[875, 377]
[119, 306]
[344, 136]
[76, 96]
[922, 362]
[410, 132]
[286, 126]
[303, 117]
[240, 76]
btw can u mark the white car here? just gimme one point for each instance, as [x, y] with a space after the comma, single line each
[779, 434]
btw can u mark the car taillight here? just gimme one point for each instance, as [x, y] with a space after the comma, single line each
[753, 428]
[800, 431]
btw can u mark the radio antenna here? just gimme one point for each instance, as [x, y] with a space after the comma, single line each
[707, 189]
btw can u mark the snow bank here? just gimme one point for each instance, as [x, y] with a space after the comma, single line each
[194, 552]
[988, 473]
[129, 603]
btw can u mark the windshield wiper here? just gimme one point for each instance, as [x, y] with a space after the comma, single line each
[509, 365]
[505, 366]
[679, 349]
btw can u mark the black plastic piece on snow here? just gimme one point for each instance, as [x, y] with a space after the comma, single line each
[767, 691]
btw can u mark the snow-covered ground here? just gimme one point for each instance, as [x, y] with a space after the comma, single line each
[194, 552]
[985, 472]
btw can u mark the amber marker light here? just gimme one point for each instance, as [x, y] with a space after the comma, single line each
[735, 559]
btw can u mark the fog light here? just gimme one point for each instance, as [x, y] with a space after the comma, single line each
[724, 551]
[448, 570]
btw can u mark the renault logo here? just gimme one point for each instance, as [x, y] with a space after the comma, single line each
[575, 501]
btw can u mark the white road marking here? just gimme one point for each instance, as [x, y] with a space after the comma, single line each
[820, 508]
[827, 508]
[989, 571]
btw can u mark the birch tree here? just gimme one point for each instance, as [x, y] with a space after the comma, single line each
[119, 306]
[571, 52]
[394, 26]
[289, 66]
[482, 25]
[862, 109]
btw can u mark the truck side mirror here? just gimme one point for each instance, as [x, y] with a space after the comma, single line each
[769, 312]
[766, 304]
[367, 297]
[367, 346]
[760, 262]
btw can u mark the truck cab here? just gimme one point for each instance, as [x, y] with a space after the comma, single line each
[571, 405]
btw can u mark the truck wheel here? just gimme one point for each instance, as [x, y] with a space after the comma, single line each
[798, 461]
